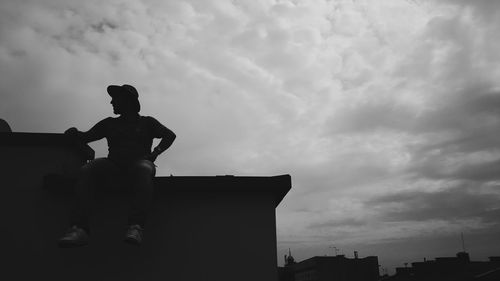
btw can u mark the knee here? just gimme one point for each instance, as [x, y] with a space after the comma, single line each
[143, 168]
[85, 170]
[90, 168]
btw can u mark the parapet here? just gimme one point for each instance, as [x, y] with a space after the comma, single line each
[20, 139]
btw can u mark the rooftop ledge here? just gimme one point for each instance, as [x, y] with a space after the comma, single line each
[278, 185]
[45, 139]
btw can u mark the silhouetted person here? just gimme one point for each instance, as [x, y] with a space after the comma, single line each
[130, 137]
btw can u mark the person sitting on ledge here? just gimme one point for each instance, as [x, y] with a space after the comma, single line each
[130, 138]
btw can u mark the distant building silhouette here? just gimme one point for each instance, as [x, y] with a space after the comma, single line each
[286, 273]
[289, 260]
[330, 268]
[458, 268]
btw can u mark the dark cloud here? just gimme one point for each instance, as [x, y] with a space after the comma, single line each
[490, 216]
[456, 125]
[470, 122]
[103, 26]
[470, 112]
[483, 172]
[339, 223]
[458, 203]
[473, 111]
[484, 9]
[371, 116]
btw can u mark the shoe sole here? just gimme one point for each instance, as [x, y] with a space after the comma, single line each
[68, 244]
[131, 241]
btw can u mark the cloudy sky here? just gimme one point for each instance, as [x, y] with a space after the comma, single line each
[385, 113]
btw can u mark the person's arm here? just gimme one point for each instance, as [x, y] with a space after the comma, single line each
[167, 138]
[95, 133]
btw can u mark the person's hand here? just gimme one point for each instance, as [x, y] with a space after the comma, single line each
[71, 132]
[152, 156]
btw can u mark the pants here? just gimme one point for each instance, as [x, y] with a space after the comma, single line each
[137, 174]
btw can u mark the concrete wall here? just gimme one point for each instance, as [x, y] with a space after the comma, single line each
[201, 228]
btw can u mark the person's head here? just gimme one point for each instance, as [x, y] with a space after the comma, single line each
[125, 99]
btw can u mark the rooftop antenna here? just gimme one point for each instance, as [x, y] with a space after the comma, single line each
[463, 243]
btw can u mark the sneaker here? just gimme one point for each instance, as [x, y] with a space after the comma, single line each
[134, 234]
[74, 237]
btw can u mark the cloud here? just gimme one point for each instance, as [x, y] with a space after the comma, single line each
[458, 203]
[338, 223]
[484, 9]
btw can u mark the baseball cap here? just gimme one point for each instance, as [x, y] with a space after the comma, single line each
[124, 90]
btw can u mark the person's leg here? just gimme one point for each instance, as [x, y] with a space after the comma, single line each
[89, 176]
[141, 174]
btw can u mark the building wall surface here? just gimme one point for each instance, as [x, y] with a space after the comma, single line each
[200, 228]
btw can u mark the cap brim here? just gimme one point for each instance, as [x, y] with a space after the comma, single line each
[114, 89]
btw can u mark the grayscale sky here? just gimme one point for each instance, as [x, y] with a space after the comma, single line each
[385, 113]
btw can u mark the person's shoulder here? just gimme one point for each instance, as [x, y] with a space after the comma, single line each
[152, 122]
[108, 120]
[149, 119]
